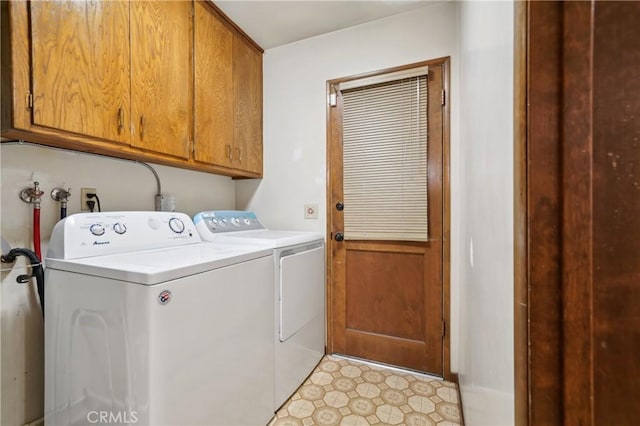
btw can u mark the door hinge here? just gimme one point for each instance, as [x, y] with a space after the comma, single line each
[333, 99]
[333, 96]
[444, 328]
[443, 98]
[29, 100]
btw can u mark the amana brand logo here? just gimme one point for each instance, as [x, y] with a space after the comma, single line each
[164, 297]
[101, 243]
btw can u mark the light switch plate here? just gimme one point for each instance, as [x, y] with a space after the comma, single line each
[310, 211]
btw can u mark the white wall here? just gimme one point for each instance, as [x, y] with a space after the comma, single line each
[121, 185]
[295, 77]
[486, 142]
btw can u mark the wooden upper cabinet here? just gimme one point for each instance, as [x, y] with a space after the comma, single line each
[213, 94]
[247, 90]
[228, 95]
[171, 82]
[80, 67]
[161, 76]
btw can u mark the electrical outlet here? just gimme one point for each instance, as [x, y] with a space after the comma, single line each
[310, 211]
[84, 198]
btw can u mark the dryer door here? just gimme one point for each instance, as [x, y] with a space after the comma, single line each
[301, 290]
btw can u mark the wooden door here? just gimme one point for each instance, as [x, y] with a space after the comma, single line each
[386, 297]
[161, 76]
[213, 94]
[80, 67]
[578, 216]
[247, 90]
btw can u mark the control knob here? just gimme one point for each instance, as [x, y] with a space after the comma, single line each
[176, 225]
[235, 221]
[97, 229]
[154, 223]
[119, 228]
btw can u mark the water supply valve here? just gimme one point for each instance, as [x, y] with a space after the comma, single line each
[61, 194]
[32, 195]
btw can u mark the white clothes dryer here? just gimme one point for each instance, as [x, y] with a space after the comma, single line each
[147, 325]
[299, 282]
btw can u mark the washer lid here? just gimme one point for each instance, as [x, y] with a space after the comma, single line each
[156, 266]
[269, 238]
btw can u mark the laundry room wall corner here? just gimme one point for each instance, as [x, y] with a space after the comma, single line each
[486, 341]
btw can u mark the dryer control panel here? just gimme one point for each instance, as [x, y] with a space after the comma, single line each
[220, 221]
[96, 234]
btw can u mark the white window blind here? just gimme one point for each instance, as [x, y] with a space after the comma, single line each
[384, 134]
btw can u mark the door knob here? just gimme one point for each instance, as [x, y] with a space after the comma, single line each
[339, 206]
[339, 236]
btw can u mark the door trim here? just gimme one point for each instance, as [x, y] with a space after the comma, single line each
[537, 214]
[521, 335]
[444, 62]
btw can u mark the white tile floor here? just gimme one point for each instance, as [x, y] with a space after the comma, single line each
[348, 392]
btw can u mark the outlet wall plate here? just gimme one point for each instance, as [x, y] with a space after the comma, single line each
[84, 198]
[310, 211]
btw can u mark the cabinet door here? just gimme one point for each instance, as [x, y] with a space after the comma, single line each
[213, 136]
[80, 67]
[161, 76]
[247, 88]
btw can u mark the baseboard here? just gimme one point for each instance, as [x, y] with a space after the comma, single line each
[488, 406]
[453, 377]
[38, 422]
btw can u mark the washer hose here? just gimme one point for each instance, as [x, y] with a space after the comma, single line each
[37, 271]
[36, 230]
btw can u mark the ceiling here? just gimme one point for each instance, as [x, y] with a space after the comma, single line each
[274, 23]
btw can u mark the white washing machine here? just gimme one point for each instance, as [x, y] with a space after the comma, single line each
[299, 281]
[147, 325]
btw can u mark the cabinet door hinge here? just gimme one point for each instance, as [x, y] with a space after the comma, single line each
[29, 100]
[444, 328]
[443, 98]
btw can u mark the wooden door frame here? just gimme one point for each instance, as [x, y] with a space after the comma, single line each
[553, 222]
[444, 62]
[537, 213]
[520, 296]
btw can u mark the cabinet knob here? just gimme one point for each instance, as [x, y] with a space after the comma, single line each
[339, 206]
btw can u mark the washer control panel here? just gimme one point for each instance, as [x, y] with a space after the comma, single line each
[219, 221]
[93, 234]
